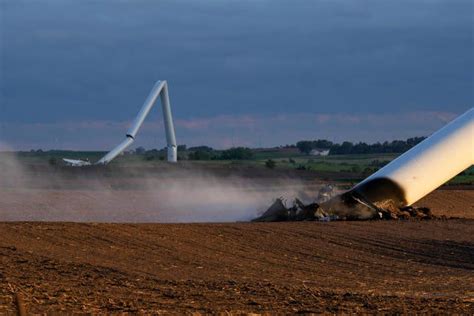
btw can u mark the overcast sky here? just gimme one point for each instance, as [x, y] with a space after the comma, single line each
[73, 74]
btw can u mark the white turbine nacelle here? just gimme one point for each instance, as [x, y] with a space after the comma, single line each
[420, 170]
[159, 89]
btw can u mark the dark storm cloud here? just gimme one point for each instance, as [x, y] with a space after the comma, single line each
[96, 60]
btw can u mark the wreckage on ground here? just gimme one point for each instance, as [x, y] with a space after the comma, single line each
[390, 192]
[279, 212]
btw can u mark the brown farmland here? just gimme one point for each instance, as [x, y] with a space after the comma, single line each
[299, 267]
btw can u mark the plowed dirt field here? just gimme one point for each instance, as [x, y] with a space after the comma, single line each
[303, 267]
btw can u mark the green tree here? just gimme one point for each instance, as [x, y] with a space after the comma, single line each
[200, 155]
[140, 150]
[237, 153]
[305, 146]
[201, 148]
[270, 164]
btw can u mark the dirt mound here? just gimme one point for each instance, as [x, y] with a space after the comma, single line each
[279, 212]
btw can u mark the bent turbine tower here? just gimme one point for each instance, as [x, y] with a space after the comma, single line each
[159, 89]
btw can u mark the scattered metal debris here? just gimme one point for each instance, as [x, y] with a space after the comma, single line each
[326, 193]
[279, 212]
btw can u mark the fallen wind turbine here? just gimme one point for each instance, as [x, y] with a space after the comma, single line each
[420, 170]
[399, 184]
[160, 89]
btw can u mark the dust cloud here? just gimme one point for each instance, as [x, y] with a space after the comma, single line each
[11, 171]
[32, 193]
[206, 198]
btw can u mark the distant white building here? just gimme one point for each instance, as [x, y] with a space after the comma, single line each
[319, 152]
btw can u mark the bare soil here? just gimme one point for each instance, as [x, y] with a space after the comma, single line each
[302, 267]
[267, 268]
[453, 203]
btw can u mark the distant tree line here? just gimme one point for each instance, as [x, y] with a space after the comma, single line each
[395, 146]
[207, 153]
[199, 153]
[305, 146]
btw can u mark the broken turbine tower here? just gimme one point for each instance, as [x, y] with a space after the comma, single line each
[160, 89]
[390, 192]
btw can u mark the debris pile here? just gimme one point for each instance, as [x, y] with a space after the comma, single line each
[347, 206]
[279, 212]
[326, 193]
[408, 212]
